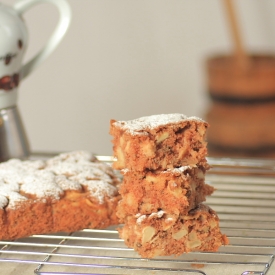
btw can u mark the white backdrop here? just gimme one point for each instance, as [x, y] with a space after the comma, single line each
[122, 59]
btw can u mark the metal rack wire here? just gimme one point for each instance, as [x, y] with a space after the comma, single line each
[244, 201]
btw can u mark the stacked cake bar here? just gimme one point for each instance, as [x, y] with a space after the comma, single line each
[163, 162]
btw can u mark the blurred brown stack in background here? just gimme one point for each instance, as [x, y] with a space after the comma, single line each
[242, 92]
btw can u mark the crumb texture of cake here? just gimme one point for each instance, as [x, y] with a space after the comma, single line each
[69, 192]
[159, 142]
[175, 190]
[163, 234]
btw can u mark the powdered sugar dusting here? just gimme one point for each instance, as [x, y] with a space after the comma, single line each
[69, 171]
[72, 157]
[142, 218]
[3, 201]
[67, 184]
[41, 184]
[14, 198]
[158, 214]
[99, 188]
[179, 169]
[150, 122]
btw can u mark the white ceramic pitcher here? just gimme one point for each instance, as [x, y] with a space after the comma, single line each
[13, 44]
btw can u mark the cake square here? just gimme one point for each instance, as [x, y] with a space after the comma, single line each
[159, 142]
[176, 190]
[164, 234]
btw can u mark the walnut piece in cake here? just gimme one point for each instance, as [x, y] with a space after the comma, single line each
[159, 142]
[175, 190]
[164, 234]
[69, 192]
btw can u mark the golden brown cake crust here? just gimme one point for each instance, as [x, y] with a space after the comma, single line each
[162, 234]
[159, 142]
[69, 192]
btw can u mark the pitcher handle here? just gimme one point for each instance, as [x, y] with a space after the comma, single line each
[59, 32]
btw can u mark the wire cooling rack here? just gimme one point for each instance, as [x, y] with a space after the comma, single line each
[244, 201]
